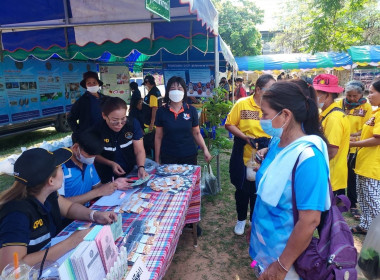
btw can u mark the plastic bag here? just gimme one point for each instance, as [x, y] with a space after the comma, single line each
[369, 259]
[209, 183]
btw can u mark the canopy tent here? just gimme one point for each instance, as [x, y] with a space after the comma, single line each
[331, 60]
[137, 60]
[365, 55]
[86, 29]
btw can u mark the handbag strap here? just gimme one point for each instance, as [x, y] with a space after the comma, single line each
[294, 208]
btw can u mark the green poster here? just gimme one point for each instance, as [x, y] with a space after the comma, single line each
[159, 7]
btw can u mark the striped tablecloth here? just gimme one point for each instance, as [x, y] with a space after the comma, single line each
[172, 211]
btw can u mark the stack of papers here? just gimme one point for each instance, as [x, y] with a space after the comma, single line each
[83, 264]
[107, 248]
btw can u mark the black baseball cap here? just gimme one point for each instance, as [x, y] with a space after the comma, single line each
[150, 79]
[34, 166]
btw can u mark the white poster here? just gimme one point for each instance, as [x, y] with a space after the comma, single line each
[115, 81]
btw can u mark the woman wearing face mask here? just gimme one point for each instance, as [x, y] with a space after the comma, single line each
[123, 142]
[243, 123]
[86, 111]
[177, 128]
[336, 128]
[291, 117]
[82, 183]
[358, 111]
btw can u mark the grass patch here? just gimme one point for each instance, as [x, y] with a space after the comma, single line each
[12, 144]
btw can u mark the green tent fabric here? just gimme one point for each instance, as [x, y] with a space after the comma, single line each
[364, 55]
[177, 45]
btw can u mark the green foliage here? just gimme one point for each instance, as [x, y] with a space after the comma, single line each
[328, 25]
[237, 21]
[216, 109]
[369, 254]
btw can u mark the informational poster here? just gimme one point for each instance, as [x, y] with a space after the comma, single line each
[35, 89]
[199, 78]
[116, 81]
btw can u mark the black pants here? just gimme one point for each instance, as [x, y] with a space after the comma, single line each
[339, 192]
[243, 197]
[351, 181]
[166, 159]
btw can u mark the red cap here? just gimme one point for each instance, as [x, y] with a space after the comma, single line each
[328, 83]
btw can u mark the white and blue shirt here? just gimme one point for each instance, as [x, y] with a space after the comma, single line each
[77, 181]
[272, 226]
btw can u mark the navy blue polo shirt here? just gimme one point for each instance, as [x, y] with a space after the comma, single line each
[177, 140]
[14, 228]
[137, 135]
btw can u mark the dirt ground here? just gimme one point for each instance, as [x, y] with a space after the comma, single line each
[220, 253]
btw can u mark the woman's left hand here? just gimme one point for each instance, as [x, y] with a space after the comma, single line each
[142, 173]
[207, 155]
[105, 218]
[273, 272]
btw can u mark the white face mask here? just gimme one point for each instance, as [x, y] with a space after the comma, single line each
[93, 89]
[85, 160]
[176, 95]
[320, 104]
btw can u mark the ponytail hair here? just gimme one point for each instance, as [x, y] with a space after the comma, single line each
[300, 98]
[19, 190]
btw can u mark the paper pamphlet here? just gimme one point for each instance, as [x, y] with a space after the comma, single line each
[138, 271]
[116, 228]
[116, 198]
[86, 262]
[107, 248]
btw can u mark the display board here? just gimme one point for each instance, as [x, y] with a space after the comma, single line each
[116, 81]
[34, 89]
[199, 78]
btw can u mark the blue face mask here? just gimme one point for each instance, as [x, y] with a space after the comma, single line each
[268, 128]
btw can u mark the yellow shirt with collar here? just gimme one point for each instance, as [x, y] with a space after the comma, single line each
[336, 128]
[357, 117]
[368, 158]
[246, 115]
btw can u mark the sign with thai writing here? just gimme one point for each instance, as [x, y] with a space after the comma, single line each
[159, 7]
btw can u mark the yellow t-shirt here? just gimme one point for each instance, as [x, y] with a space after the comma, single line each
[245, 115]
[153, 101]
[368, 158]
[336, 128]
[357, 117]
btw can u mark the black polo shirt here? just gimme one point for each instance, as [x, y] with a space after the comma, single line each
[177, 140]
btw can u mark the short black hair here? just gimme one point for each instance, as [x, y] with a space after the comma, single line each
[263, 80]
[172, 80]
[90, 141]
[134, 85]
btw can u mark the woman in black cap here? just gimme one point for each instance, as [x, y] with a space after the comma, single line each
[86, 109]
[31, 210]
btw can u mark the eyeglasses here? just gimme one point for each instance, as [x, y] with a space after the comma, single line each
[117, 122]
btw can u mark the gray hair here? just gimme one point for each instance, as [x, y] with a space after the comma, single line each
[355, 85]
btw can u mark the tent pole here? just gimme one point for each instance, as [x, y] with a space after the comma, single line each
[351, 73]
[67, 21]
[233, 85]
[216, 60]
[19, 27]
